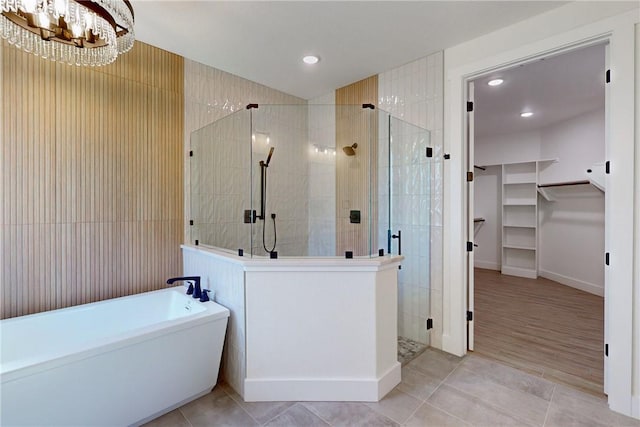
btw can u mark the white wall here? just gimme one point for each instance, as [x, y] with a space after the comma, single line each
[570, 25]
[211, 94]
[571, 232]
[487, 205]
[578, 143]
[414, 93]
[322, 176]
[508, 148]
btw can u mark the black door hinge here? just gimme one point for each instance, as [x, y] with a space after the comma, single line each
[190, 222]
[606, 258]
[607, 168]
[197, 243]
[429, 152]
[429, 324]
[469, 316]
[607, 77]
[606, 350]
[447, 156]
[191, 153]
[469, 246]
[469, 106]
[469, 176]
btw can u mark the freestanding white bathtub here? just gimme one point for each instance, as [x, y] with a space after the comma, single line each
[116, 362]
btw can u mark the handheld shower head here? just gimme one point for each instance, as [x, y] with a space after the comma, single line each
[269, 156]
[349, 150]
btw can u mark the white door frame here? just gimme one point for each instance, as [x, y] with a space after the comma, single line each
[619, 32]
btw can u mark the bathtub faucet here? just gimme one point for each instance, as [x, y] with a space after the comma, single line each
[197, 293]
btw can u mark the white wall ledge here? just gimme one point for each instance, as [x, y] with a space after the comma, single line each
[300, 263]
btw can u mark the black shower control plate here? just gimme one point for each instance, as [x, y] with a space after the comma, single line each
[354, 217]
[249, 216]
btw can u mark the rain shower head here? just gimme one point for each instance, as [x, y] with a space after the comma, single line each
[349, 150]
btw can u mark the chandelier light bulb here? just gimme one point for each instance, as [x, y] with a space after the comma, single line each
[87, 32]
[29, 6]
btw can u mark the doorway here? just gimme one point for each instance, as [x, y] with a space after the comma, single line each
[536, 204]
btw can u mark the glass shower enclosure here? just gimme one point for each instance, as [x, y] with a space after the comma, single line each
[311, 180]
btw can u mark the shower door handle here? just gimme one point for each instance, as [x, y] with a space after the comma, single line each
[399, 237]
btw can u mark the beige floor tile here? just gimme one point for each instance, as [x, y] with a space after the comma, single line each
[436, 363]
[170, 419]
[216, 408]
[348, 414]
[418, 384]
[579, 404]
[297, 415]
[561, 417]
[428, 415]
[397, 405]
[517, 403]
[471, 409]
[510, 377]
[259, 411]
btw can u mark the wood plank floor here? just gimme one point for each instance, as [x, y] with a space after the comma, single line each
[542, 327]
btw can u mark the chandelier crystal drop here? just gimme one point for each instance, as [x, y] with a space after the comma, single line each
[77, 32]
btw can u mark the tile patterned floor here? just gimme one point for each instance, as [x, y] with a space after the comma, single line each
[437, 389]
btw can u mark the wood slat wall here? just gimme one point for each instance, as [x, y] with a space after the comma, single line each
[353, 173]
[91, 178]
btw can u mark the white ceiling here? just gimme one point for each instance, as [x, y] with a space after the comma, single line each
[264, 41]
[554, 89]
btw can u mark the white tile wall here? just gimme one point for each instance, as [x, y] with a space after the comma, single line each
[210, 95]
[226, 279]
[322, 176]
[414, 93]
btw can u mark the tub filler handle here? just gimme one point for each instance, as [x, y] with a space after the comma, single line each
[205, 295]
[196, 279]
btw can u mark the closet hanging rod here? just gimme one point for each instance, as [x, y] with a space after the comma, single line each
[561, 184]
[480, 167]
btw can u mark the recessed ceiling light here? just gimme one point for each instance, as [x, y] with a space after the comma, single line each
[526, 114]
[495, 82]
[310, 59]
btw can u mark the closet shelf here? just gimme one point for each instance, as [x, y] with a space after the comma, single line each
[524, 248]
[520, 202]
[546, 190]
[519, 226]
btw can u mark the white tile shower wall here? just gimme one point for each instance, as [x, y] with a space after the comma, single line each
[414, 93]
[211, 94]
[287, 177]
[226, 279]
[322, 175]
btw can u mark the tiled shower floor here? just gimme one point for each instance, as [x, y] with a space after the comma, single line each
[409, 349]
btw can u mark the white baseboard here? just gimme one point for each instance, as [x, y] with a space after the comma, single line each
[322, 389]
[486, 264]
[574, 283]
[635, 407]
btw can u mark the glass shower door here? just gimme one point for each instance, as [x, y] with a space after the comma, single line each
[410, 160]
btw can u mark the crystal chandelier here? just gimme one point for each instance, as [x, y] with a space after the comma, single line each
[80, 32]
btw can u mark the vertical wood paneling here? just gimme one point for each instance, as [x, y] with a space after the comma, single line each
[354, 177]
[91, 178]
